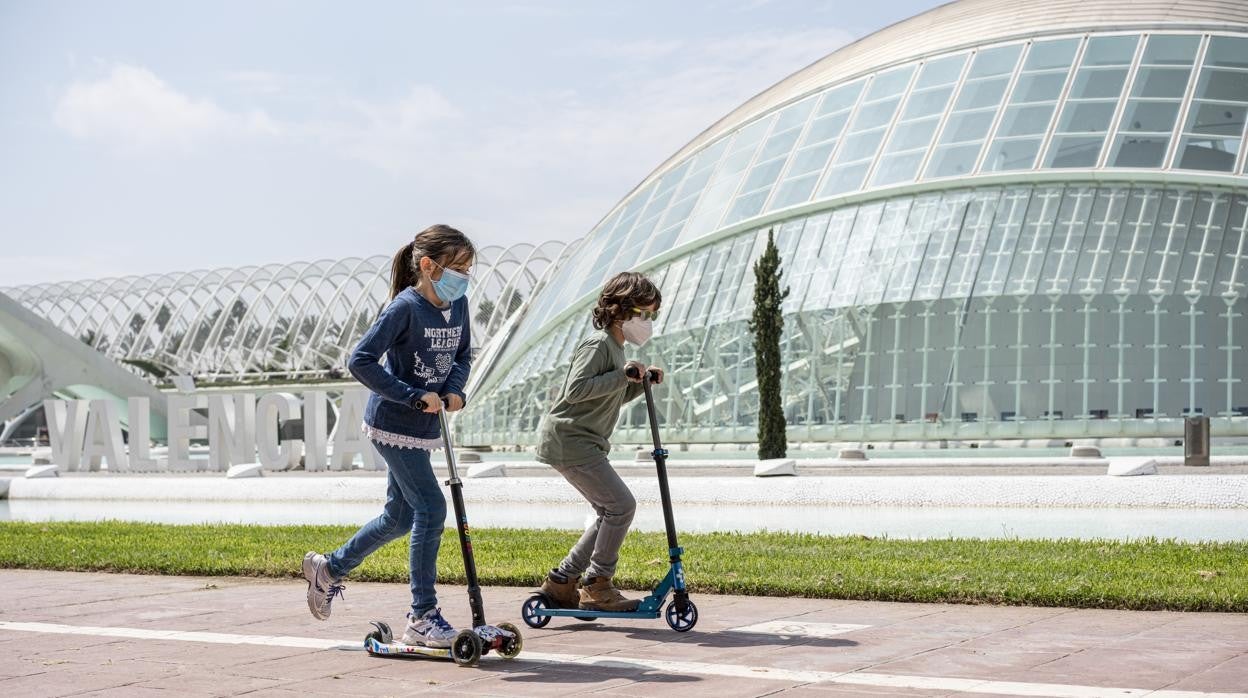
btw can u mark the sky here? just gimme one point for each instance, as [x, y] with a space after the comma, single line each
[150, 137]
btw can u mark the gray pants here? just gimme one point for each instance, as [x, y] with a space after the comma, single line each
[598, 550]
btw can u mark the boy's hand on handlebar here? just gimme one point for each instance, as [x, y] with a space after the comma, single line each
[454, 403]
[432, 402]
[656, 374]
[634, 368]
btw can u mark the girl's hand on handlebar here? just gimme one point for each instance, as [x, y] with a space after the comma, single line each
[433, 403]
[637, 369]
[656, 374]
[454, 403]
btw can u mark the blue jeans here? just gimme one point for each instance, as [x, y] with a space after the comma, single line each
[414, 502]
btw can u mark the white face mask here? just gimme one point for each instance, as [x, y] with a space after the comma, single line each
[637, 331]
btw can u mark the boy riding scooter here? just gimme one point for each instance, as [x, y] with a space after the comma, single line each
[575, 434]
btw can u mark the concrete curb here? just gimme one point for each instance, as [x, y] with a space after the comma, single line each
[1074, 491]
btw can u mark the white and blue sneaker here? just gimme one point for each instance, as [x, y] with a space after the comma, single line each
[430, 630]
[322, 588]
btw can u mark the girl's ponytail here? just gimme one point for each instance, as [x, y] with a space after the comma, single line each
[402, 270]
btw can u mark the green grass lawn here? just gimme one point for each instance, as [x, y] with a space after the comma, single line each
[1086, 574]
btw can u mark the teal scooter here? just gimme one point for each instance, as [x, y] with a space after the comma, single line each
[681, 613]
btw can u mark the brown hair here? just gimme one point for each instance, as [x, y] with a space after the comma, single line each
[625, 291]
[441, 243]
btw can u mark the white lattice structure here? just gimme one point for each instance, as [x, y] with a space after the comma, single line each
[292, 321]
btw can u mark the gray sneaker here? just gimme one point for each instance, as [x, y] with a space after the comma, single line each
[430, 630]
[322, 588]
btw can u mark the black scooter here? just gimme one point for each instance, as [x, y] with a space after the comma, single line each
[469, 645]
[681, 613]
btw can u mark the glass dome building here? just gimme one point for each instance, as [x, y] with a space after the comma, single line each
[998, 219]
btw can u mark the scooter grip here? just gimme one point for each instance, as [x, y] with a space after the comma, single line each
[632, 372]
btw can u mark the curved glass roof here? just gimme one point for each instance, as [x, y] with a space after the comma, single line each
[1100, 103]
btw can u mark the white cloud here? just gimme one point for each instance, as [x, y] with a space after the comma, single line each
[133, 109]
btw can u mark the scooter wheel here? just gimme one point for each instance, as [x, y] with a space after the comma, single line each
[682, 622]
[511, 647]
[529, 612]
[587, 619]
[466, 648]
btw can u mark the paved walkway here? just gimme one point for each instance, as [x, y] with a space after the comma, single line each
[100, 634]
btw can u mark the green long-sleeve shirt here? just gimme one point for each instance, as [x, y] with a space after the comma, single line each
[577, 428]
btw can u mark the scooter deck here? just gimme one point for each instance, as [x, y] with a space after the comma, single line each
[398, 649]
[582, 614]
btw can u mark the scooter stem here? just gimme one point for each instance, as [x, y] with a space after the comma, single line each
[461, 520]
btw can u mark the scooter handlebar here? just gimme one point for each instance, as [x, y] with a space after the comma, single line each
[633, 373]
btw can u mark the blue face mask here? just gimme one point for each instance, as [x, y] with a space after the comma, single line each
[452, 286]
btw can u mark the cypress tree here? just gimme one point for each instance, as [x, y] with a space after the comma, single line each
[767, 324]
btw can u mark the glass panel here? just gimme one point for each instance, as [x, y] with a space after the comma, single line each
[1030, 120]
[779, 145]
[1033, 241]
[763, 175]
[794, 116]
[1216, 118]
[949, 161]
[880, 258]
[810, 160]
[805, 264]
[940, 247]
[1227, 52]
[856, 251]
[1110, 50]
[967, 127]
[1225, 85]
[927, 102]
[1086, 117]
[1139, 151]
[862, 140]
[894, 169]
[1208, 153]
[1100, 241]
[1044, 87]
[1162, 268]
[1103, 83]
[831, 256]
[999, 60]
[941, 71]
[891, 83]
[826, 128]
[1074, 151]
[737, 263]
[839, 98]
[915, 134]
[911, 248]
[792, 192]
[1170, 49]
[746, 206]
[999, 250]
[1012, 154]
[1203, 243]
[981, 93]
[1072, 222]
[1130, 254]
[1161, 83]
[1047, 55]
[970, 245]
[1152, 117]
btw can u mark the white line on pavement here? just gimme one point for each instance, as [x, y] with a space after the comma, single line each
[941, 683]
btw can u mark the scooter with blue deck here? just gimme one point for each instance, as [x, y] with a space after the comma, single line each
[469, 645]
[681, 614]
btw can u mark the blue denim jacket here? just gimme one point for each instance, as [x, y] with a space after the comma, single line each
[426, 350]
